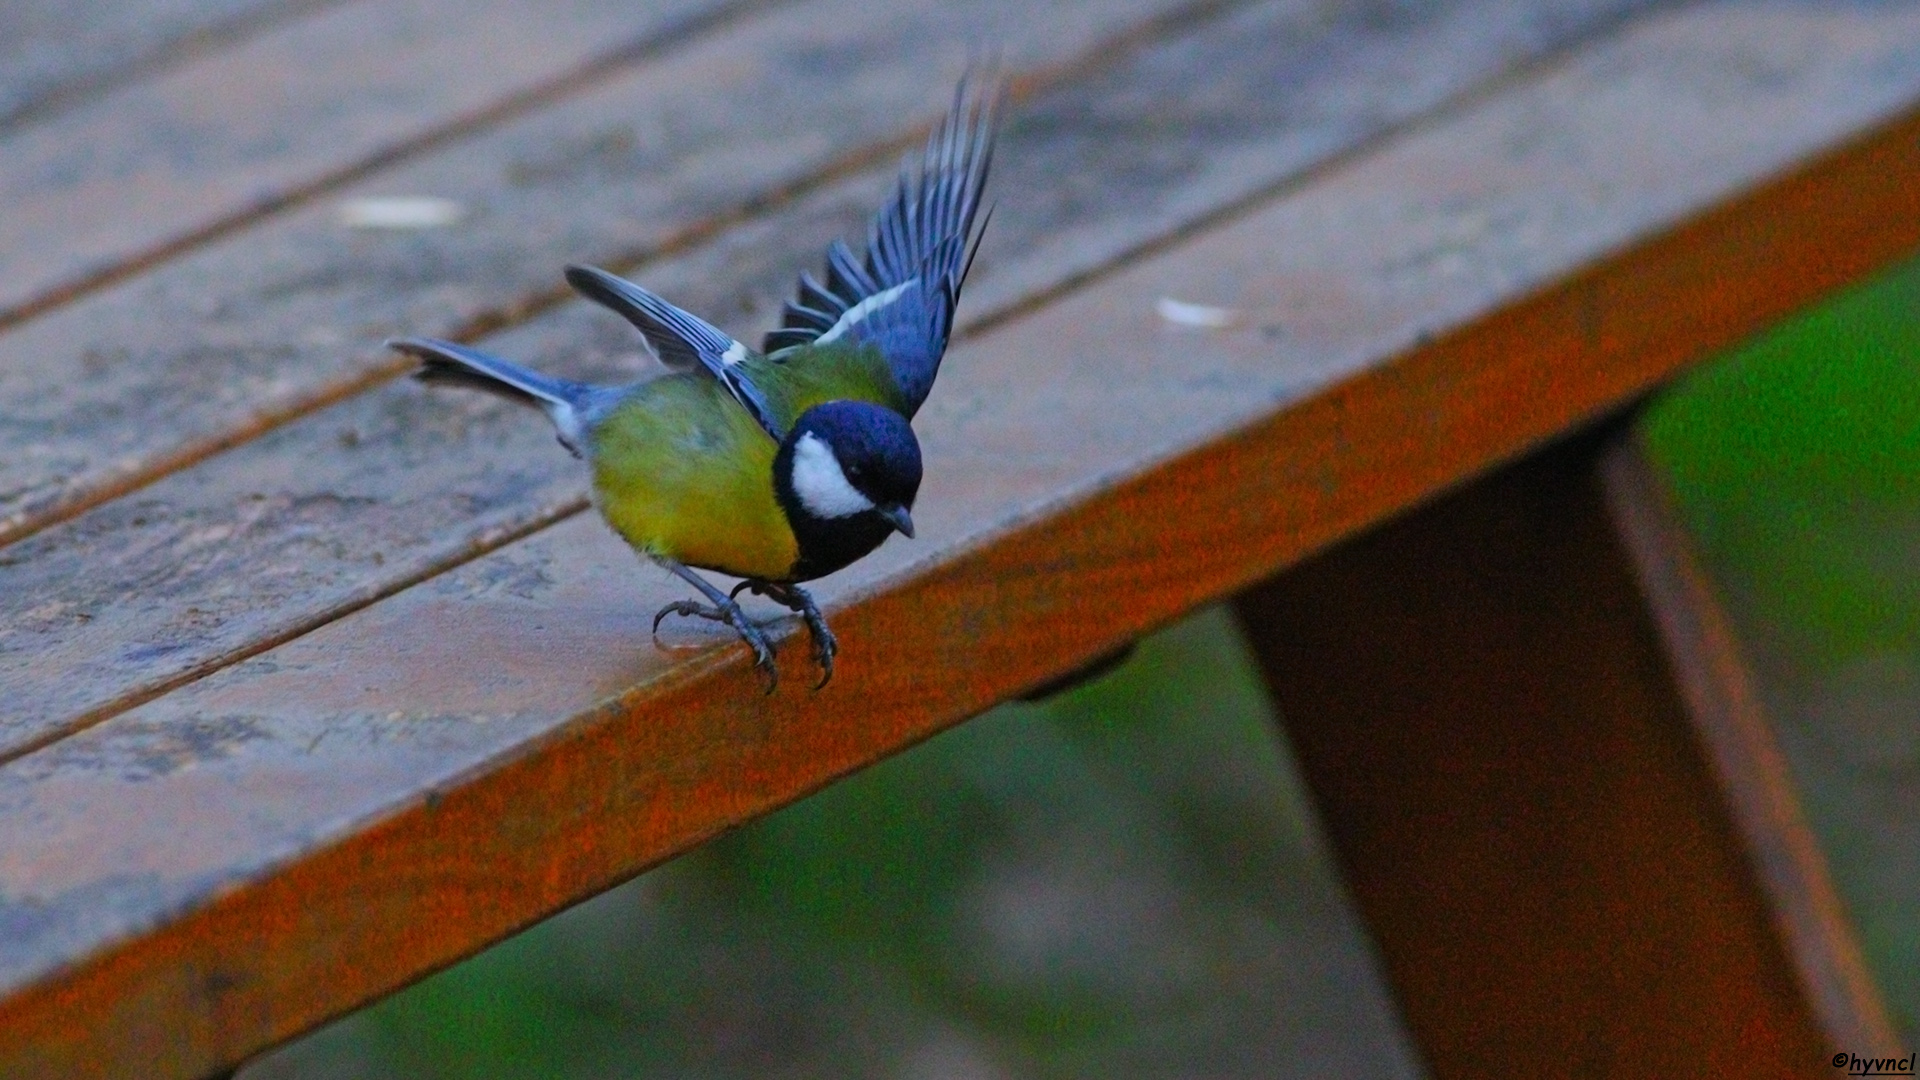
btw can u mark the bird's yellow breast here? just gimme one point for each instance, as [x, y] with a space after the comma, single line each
[681, 470]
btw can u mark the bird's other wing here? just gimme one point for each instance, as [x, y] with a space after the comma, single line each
[682, 340]
[900, 299]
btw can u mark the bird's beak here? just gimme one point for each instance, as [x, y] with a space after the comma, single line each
[897, 516]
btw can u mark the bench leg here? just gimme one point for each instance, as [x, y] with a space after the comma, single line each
[1480, 702]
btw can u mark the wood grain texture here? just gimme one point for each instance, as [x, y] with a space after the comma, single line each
[349, 503]
[1504, 763]
[1726, 708]
[102, 396]
[251, 853]
[54, 53]
[197, 149]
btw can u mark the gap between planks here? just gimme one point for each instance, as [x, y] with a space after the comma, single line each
[264, 187]
[99, 481]
[71, 676]
[113, 71]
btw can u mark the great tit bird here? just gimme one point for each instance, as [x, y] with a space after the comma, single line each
[781, 466]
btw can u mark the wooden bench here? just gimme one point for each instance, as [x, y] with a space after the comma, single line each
[313, 683]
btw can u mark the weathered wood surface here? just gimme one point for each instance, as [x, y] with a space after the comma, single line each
[55, 53]
[289, 314]
[117, 181]
[349, 503]
[1739, 737]
[1502, 759]
[266, 846]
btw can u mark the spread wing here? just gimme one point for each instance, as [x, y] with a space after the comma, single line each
[901, 297]
[682, 340]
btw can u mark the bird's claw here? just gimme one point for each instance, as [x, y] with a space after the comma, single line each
[731, 614]
[824, 648]
[799, 601]
[825, 645]
[688, 607]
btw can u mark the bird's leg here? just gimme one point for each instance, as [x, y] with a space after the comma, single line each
[797, 599]
[725, 610]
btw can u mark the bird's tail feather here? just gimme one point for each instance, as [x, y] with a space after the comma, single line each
[444, 363]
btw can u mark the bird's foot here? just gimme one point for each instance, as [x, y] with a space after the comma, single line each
[796, 599]
[728, 612]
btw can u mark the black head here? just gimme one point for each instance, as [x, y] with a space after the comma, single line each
[846, 475]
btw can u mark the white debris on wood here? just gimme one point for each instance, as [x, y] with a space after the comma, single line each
[400, 212]
[1206, 316]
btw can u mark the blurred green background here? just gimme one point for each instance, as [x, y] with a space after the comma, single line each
[1125, 880]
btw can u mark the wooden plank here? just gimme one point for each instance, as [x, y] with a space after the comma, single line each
[1725, 706]
[1148, 794]
[1505, 766]
[352, 502]
[152, 168]
[266, 847]
[56, 52]
[289, 314]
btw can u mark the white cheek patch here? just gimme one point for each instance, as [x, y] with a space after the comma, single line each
[861, 310]
[821, 484]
